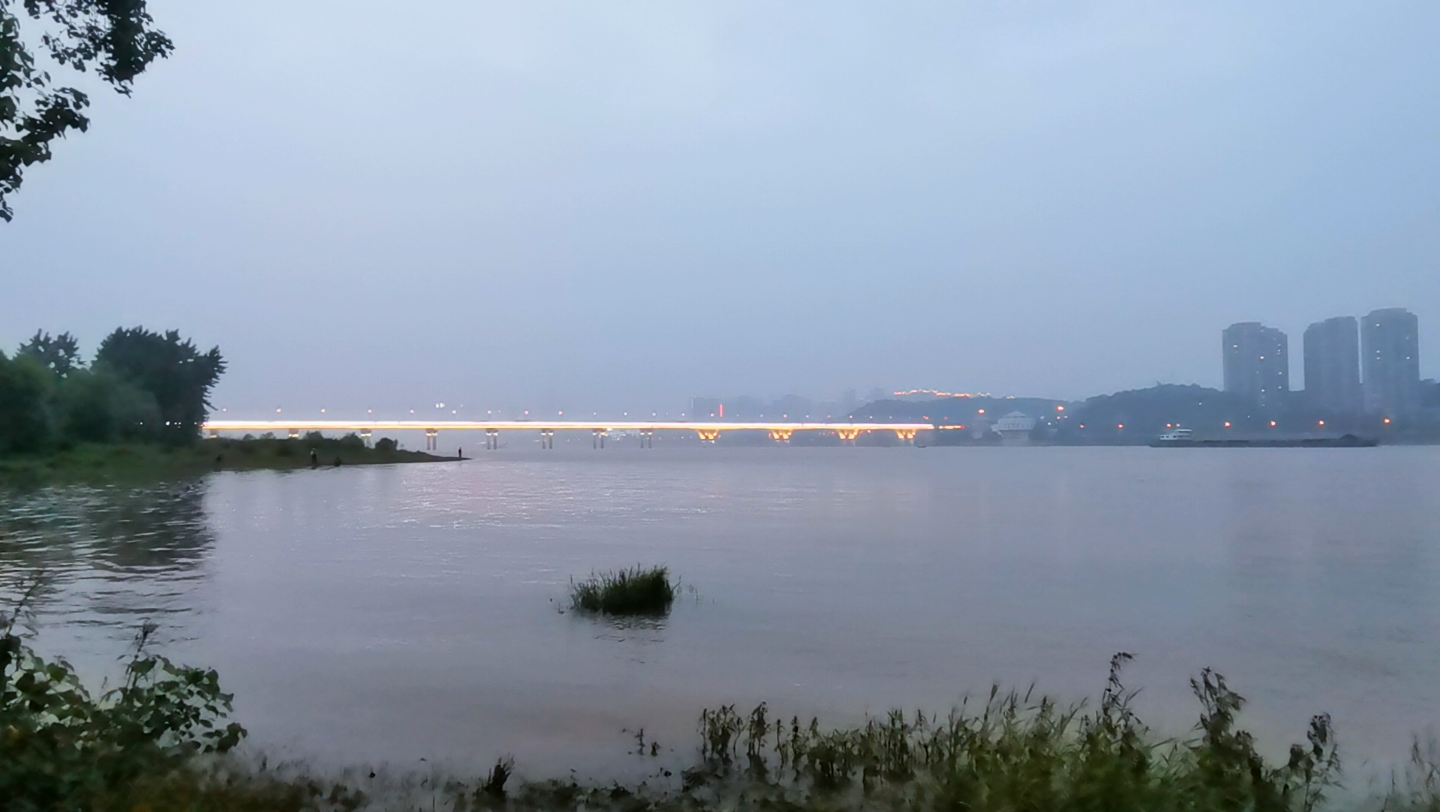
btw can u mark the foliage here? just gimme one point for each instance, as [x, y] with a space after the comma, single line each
[61, 354]
[1014, 753]
[634, 591]
[178, 375]
[142, 386]
[62, 748]
[25, 393]
[386, 444]
[97, 405]
[116, 37]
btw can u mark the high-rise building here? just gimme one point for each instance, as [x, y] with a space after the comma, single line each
[1332, 365]
[1257, 363]
[1390, 347]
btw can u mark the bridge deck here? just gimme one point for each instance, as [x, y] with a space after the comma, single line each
[542, 425]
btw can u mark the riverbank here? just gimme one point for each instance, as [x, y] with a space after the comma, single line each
[140, 462]
[165, 742]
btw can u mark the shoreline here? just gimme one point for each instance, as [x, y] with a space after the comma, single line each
[140, 462]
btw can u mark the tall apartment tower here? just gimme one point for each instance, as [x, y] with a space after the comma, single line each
[1332, 365]
[1257, 363]
[1390, 347]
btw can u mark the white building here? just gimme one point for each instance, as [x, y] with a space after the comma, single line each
[1014, 428]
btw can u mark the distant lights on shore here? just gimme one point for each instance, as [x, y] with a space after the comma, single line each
[1227, 424]
[1059, 408]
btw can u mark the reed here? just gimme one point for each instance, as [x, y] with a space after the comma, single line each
[625, 592]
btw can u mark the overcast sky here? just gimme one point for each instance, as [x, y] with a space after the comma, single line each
[622, 204]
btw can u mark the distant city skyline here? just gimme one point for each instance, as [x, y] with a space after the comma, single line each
[1352, 366]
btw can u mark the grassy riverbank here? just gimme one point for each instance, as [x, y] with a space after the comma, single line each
[162, 741]
[138, 462]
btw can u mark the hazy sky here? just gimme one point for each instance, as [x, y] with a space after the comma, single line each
[621, 204]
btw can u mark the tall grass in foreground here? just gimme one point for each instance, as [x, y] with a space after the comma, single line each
[159, 742]
[633, 591]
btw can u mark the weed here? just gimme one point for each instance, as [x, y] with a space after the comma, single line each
[634, 591]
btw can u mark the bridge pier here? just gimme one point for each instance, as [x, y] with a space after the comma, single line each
[365, 436]
[647, 438]
[708, 435]
[781, 435]
[597, 440]
[906, 436]
[294, 434]
[848, 436]
[492, 439]
[432, 439]
[547, 438]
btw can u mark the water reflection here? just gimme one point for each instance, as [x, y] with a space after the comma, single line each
[110, 556]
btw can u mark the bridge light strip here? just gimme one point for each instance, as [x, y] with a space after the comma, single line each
[537, 425]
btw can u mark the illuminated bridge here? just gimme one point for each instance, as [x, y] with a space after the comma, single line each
[599, 430]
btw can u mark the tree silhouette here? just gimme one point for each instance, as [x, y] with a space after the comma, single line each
[178, 375]
[116, 37]
[25, 386]
[59, 354]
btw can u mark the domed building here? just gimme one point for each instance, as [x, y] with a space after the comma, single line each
[1014, 428]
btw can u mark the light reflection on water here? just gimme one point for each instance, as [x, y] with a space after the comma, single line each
[367, 614]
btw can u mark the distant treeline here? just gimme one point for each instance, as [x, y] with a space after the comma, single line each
[141, 386]
[1137, 416]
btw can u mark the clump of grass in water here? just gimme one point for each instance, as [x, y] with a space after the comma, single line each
[634, 591]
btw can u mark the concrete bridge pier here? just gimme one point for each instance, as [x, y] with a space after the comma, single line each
[647, 438]
[294, 434]
[547, 438]
[781, 435]
[365, 436]
[597, 439]
[432, 439]
[708, 435]
[492, 439]
[847, 436]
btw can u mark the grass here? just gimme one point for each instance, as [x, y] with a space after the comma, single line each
[626, 592]
[140, 462]
[159, 742]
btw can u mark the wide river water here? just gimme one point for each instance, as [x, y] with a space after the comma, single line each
[390, 614]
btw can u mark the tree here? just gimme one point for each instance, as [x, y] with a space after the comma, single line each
[25, 422]
[178, 375]
[97, 406]
[59, 354]
[116, 37]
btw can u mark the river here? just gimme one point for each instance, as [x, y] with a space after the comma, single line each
[392, 614]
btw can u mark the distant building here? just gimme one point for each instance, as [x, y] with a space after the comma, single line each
[1390, 347]
[1014, 428]
[1257, 364]
[1332, 365]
